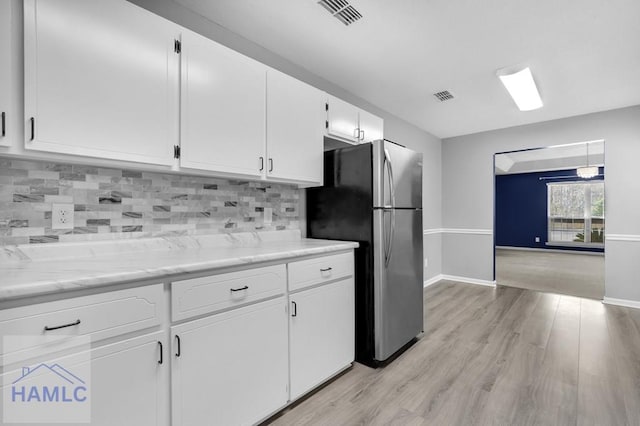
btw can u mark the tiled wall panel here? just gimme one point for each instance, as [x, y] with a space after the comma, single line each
[113, 203]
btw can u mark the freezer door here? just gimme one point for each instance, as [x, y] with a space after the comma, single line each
[398, 283]
[397, 176]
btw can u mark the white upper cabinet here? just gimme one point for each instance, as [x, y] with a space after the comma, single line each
[371, 127]
[7, 109]
[352, 124]
[223, 109]
[101, 80]
[295, 128]
[342, 118]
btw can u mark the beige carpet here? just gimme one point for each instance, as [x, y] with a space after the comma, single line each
[564, 273]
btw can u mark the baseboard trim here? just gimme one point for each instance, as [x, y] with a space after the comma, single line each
[468, 280]
[545, 250]
[621, 302]
[432, 280]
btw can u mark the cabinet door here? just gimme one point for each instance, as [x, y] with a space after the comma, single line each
[371, 127]
[223, 109]
[343, 119]
[6, 95]
[230, 368]
[126, 386]
[101, 80]
[295, 126]
[322, 333]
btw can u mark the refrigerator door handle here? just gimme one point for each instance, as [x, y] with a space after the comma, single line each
[389, 246]
[385, 241]
[392, 192]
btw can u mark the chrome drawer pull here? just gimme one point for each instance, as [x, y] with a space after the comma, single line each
[161, 360]
[47, 328]
[326, 269]
[240, 289]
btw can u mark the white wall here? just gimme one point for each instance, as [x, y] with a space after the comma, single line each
[396, 129]
[468, 192]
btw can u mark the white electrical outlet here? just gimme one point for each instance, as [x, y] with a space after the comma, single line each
[537, 239]
[268, 215]
[62, 216]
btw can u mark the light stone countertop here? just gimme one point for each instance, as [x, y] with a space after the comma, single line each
[41, 269]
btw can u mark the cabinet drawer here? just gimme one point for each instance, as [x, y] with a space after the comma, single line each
[306, 273]
[199, 296]
[97, 316]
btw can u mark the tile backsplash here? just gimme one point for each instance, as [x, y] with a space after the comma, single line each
[113, 203]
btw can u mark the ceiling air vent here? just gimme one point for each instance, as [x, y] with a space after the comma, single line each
[445, 95]
[341, 10]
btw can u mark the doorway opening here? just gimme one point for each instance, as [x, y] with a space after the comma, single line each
[549, 219]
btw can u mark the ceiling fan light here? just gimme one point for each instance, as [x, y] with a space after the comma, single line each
[587, 172]
[522, 88]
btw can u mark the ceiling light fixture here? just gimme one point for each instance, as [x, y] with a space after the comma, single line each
[521, 87]
[587, 172]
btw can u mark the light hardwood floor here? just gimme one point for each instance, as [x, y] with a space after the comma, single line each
[576, 274]
[495, 356]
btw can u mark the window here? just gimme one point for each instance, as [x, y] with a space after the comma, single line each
[576, 213]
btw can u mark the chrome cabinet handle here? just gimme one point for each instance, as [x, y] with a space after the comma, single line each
[362, 135]
[179, 351]
[246, 287]
[4, 122]
[161, 360]
[356, 133]
[33, 128]
[295, 309]
[326, 269]
[270, 164]
[261, 163]
[57, 327]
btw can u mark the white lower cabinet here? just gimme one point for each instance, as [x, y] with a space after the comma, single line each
[126, 387]
[230, 368]
[322, 333]
[127, 383]
[242, 347]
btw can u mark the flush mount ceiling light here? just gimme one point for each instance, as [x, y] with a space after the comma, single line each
[587, 172]
[521, 87]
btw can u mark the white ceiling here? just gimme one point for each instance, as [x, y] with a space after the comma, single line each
[584, 54]
[559, 157]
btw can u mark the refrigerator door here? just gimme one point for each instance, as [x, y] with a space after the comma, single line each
[398, 283]
[397, 176]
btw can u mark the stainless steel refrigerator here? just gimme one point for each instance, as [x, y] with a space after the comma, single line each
[372, 194]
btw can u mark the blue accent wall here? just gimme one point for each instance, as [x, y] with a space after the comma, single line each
[521, 208]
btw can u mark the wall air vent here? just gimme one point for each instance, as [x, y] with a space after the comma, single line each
[445, 95]
[341, 10]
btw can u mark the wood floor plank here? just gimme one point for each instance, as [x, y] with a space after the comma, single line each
[495, 357]
[555, 390]
[600, 398]
[625, 349]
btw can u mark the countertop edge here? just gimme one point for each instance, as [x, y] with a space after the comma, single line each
[101, 281]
